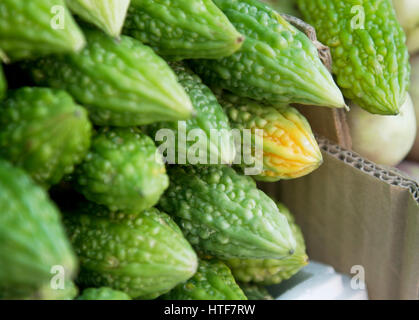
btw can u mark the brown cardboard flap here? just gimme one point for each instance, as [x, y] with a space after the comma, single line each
[328, 123]
[353, 212]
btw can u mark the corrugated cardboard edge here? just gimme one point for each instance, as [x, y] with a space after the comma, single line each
[355, 213]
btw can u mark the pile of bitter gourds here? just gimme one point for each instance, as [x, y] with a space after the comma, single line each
[86, 199]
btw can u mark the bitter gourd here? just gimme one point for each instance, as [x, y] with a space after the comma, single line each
[183, 29]
[212, 281]
[276, 63]
[122, 170]
[34, 28]
[289, 147]
[32, 239]
[103, 293]
[223, 214]
[255, 292]
[142, 255]
[370, 58]
[43, 131]
[122, 83]
[271, 271]
[207, 136]
[108, 15]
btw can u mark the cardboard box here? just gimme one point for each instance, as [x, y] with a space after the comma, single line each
[356, 213]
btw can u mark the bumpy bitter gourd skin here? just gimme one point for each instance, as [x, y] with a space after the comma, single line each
[224, 215]
[34, 28]
[255, 292]
[212, 281]
[271, 271]
[32, 238]
[370, 58]
[276, 63]
[182, 29]
[122, 83]
[43, 131]
[289, 148]
[142, 255]
[122, 170]
[103, 293]
[210, 122]
[108, 15]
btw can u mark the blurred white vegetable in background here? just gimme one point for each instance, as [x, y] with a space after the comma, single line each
[408, 15]
[384, 140]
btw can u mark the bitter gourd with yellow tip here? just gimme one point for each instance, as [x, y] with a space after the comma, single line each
[276, 63]
[210, 139]
[289, 147]
[32, 238]
[43, 131]
[122, 170]
[121, 83]
[212, 281]
[35, 28]
[370, 57]
[223, 214]
[108, 15]
[103, 293]
[142, 255]
[272, 271]
[183, 29]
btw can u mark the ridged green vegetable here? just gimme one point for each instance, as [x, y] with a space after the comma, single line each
[271, 271]
[103, 293]
[212, 281]
[122, 170]
[108, 15]
[43, 131]
[223, 214]
[370, 58]
[289, 147]
[32, 239]
[68, 292]
[183, 29]
[255, 292]
[122, 83]
[142, 255]
[35, 28]
[210, 126]
[276, 63]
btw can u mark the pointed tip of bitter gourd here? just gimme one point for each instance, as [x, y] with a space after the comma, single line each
[107, 15]
[290, 149]
[223, 214]
[272, 271]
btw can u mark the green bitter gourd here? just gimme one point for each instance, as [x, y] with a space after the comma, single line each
[276, 63]
[212, 281]
[123, 170]
[121, 83]
[183, 29]
[208, 137]
[34, 28]
[142, 255]
[223, 214]
[103, 293]
[271, 271]
[370, 57]
[43, 131]
[108, 15]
